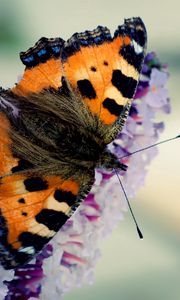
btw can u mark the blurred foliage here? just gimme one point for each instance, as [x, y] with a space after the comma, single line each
[11, 33]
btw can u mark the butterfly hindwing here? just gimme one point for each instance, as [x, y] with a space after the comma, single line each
[32, 208]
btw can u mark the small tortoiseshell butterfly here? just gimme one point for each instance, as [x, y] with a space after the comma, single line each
[55, 125]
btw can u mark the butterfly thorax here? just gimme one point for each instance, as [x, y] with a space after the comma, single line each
[54, 142]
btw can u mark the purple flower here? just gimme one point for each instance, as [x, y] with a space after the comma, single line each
[27, 279]
[142, 89]
[151, 62]
[157, 96]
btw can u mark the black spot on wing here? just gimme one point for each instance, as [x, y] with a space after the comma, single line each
[29, 239]
[35, 184]
[22, 165]
[134, 59]
[112, 106]
[63, 196]
[64, 89]
[140, 38]
[21, 200]
[53, 219]
[3, 229]
[86, 89]
[126, 85]
[93, 69]
[24, 213]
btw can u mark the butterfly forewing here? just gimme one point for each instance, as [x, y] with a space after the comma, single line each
[105, 70]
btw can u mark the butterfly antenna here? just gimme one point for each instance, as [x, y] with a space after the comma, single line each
[145, 148]
[123, 189]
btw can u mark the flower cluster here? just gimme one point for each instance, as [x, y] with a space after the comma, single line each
[70, 257]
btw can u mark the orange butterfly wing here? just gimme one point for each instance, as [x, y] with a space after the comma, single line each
[32, 209]
[43, 67]
[101, 70]
[105, 70]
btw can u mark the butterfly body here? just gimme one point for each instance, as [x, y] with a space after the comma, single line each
[56, 123]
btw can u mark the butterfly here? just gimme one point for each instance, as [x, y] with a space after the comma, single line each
[56, 123]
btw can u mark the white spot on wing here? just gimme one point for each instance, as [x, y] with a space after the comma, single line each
[40, 229]
[29, 250]
[138, 49]
[58, 206]
[113, 93]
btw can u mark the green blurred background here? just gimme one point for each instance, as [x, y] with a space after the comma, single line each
[129, 268]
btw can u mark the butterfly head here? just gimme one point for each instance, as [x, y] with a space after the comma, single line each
[110, 162]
